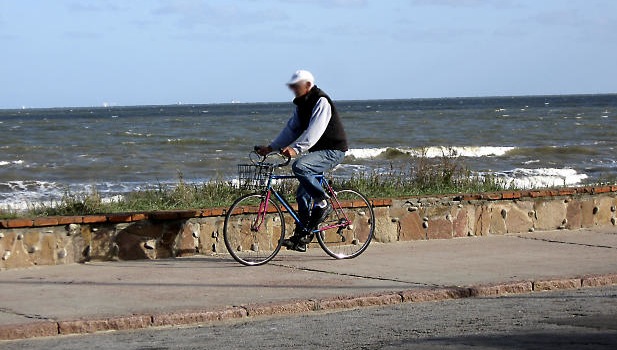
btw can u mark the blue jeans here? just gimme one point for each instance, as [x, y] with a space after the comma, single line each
[305, 168]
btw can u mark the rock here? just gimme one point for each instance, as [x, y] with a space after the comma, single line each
[613, 221]
[425, 219]
[150, 244]
[32, 250]
[613, 208]
[6, 255]
[72, 229]
[531, 229]
[425, 224]
[20, 237]
[412, 209]
[1, 235]
[196, 234]
[595, 210]
[62, 253]
[504, 213]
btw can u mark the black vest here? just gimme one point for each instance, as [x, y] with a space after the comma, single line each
[334, 138]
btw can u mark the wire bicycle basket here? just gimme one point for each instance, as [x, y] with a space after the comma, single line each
[254, 176]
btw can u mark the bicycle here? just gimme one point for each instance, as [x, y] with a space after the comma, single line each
[254, 226]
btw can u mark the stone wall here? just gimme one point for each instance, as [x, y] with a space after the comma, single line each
[153, 235]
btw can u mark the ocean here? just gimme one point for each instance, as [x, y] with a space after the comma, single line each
[534, 141]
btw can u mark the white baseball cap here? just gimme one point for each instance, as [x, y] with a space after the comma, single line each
[301, 75]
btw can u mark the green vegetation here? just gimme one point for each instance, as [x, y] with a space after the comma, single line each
[423, 176]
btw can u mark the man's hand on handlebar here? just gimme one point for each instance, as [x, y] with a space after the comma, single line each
[263, 150]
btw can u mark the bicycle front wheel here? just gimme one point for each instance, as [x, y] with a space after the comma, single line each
[254, 231]
[348, 230]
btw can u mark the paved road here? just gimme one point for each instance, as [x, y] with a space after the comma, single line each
[574, 319]
[104, 289]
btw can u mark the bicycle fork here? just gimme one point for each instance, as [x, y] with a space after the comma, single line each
[261, 213]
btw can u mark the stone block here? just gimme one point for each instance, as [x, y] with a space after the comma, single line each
[130, 246]
[31, 238]
[498, 223]
[501, 289]
[45, 221]
[110, 324]
[281, 308]
[410, 225]
[482, 222]
[460, 223]
[29, 330]
[587, 206]
[47, 253]
[187, 242]
[517, 219]
[211, 235]
[94, 219]
[439, 228]
[604, 214]
[574, 215]
[193, 317]
[18, 223]
[359, 301]
[385, 230]
[101, 242]
[425, 295]
[569, 283]
[550, 215]
[601, 280]
[18, 257]
[165, 244]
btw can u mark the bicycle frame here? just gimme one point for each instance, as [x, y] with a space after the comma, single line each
[269, 191]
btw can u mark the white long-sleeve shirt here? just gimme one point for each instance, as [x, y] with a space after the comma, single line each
[302, 140]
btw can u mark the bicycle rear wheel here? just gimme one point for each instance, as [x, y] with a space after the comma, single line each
[252, 236]
[358, 219]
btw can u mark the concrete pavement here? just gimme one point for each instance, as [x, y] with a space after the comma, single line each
[139, 294]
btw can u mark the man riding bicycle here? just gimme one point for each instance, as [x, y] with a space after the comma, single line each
[316, 135]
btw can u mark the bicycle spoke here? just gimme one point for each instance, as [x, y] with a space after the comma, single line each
[347, 232]
[252, 232]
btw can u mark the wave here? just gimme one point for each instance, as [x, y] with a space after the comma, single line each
[554, 150]
[13, 162]
[541, 178]
[431, 152]
[190, 141]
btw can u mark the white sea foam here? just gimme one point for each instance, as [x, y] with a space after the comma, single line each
[541, 177]
[12, 162]
[435, 151]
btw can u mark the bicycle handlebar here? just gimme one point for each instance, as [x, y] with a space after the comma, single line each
[262, 159]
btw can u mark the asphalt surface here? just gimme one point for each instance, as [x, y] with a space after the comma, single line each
[574, 319]
[165, 289]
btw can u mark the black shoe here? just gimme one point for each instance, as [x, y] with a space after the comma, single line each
[294, 243]
[318, 215]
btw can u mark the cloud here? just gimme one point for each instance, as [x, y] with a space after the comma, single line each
[82, 35]
[198, 12]
[99, 6]
[501, 4]
[331, 3]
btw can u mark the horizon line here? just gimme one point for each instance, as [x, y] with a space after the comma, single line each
[268, 102]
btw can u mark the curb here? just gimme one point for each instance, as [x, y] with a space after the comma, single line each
[132, 322]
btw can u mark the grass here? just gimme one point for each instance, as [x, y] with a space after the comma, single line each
[422, 176]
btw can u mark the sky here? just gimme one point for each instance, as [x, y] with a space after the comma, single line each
[142, 52]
